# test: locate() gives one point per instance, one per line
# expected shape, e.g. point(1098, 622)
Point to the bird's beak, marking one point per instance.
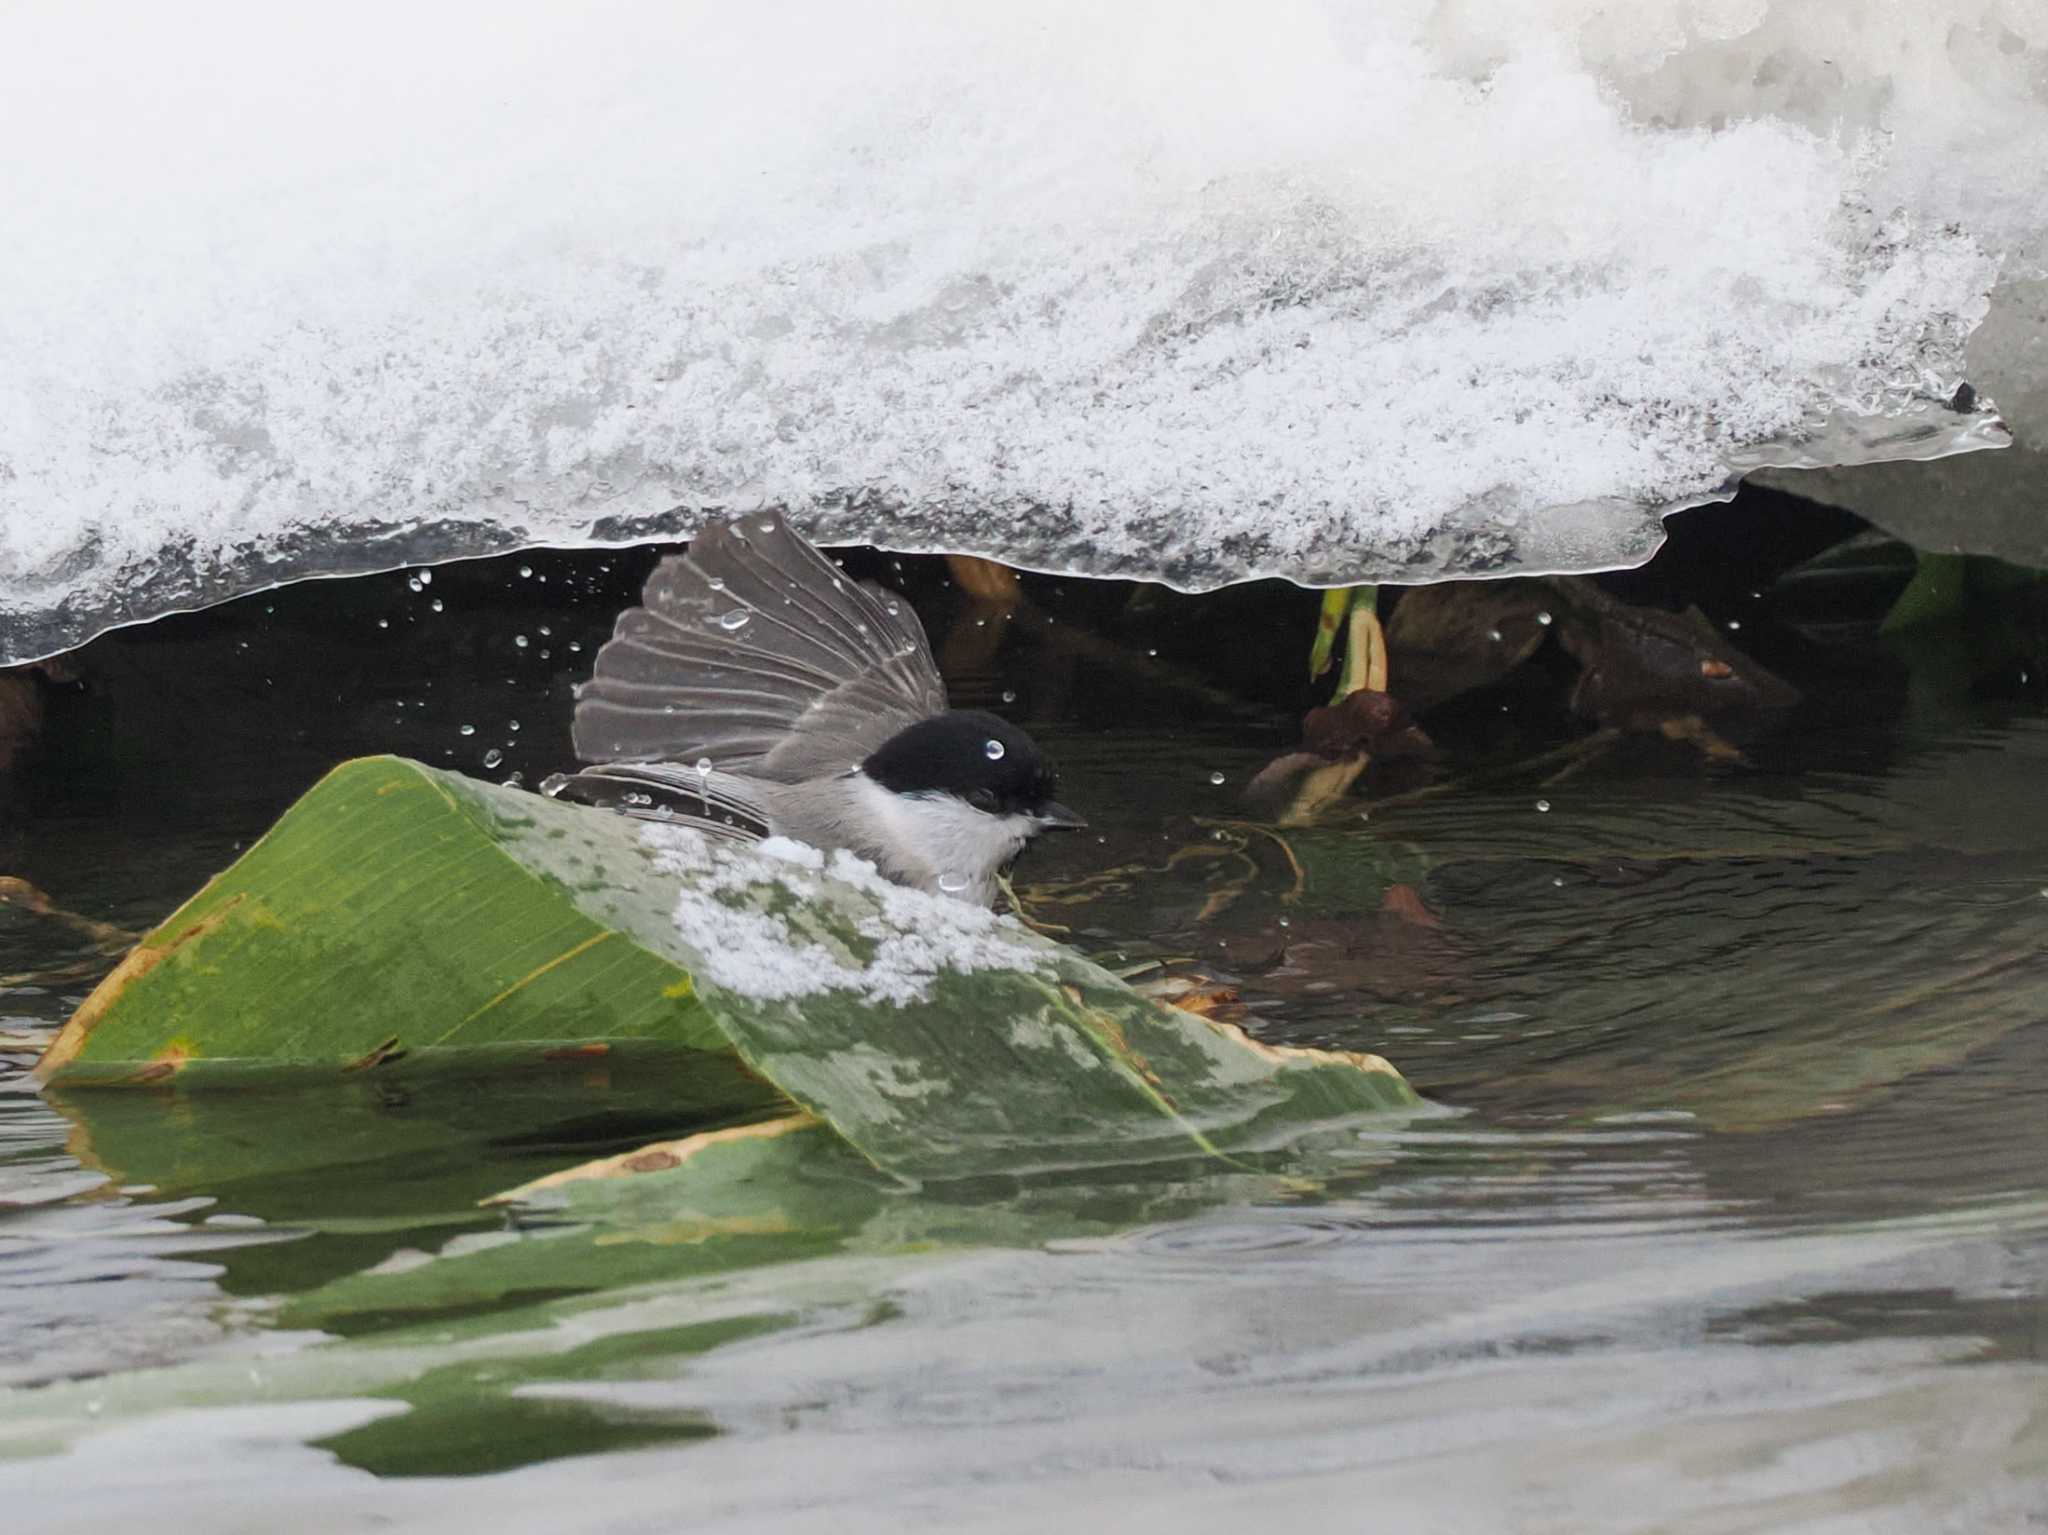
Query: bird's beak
point(1053, 813)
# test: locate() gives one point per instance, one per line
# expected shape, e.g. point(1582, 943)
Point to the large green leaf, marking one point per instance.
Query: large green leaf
point(401, 922)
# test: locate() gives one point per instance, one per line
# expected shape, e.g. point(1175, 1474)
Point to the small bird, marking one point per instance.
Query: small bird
point(758, 690)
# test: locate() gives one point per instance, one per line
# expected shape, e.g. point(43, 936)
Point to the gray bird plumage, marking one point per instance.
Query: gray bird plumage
point(756, 678)
point(756, 651)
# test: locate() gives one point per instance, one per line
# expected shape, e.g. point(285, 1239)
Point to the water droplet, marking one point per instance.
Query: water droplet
point(515, 781)
point(1558, 880)
point(952, 884)
point(1542, 805)
point(493, 757)
point(1494, 635)
point(469, 730)
point(426, 578)
point(412, 583)
point(736, 620)
point(992, 749)
point(385, 623)
point(1009, 695)
point(554, 784)
point(716, 583)
point(544, 629)
point(767, 527)
point(575, 645)
point(512, 724)
point(436, 604)
point(1154, 654)
point(1543, 619)
point(893, 611)
point(526, 572)
point(1735, 623)
point(520, 640)
point(703, 767)
point(1285, 923)
point(1216, 778)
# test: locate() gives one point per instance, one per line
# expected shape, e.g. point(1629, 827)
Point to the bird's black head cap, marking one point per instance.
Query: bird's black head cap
point(984, 760)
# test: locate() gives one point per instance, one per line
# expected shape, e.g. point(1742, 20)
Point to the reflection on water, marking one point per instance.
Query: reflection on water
point(1735, 1215)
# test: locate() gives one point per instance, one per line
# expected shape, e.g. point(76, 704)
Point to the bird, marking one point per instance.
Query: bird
point(759, 691)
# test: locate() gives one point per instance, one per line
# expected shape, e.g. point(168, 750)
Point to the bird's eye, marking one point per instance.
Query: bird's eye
point(982, 799)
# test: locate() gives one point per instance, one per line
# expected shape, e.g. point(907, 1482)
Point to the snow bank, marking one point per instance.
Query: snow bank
point(1194, 292)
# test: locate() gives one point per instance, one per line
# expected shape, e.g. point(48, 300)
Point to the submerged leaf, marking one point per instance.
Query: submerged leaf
point(402, 921)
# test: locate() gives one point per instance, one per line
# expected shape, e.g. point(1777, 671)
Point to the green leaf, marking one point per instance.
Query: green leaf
point(400, 922)
point(1329, 624)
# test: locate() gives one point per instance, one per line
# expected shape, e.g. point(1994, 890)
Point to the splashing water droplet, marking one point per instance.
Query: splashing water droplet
point(469, 730)
point(520, 640)
point(412, 584)
point(952, 884)
point(992, 749)
point(1543, 619)
point(1216, 778)
point(554, 784)
point(493, 757)
point(426, 578)
point(526, 572)
point(575, 645)
point(512, 724)
point(385, 623)
point(1542, 805)
point(735, 620)
point(436, 604)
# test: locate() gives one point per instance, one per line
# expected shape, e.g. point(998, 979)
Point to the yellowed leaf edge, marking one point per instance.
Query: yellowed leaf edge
point(659, 1157)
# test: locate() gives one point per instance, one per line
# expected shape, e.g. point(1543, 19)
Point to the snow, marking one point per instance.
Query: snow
point(752, 913)
point(1197, 293)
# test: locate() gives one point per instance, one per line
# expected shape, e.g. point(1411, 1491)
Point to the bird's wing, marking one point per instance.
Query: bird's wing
point(756, 651)
point(714, 803)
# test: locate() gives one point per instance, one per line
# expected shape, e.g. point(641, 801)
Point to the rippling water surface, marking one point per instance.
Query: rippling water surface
point(1730, 1211)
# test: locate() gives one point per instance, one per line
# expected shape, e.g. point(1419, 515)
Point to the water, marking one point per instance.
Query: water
point(1732, 1213)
